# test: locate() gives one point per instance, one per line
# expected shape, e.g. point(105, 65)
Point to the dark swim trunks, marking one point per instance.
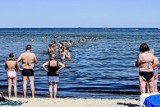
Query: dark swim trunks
point(27, 72)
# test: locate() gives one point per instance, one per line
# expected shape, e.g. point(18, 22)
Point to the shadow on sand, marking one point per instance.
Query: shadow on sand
point(129, 104)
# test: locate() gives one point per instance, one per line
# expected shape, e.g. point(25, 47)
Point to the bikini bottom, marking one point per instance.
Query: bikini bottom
point(146, 75)
point(11, 74)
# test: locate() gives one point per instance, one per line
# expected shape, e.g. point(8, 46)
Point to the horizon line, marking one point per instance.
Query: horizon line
point(79, 27)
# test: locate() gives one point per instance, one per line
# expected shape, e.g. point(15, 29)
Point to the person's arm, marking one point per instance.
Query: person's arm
point(16, 66)
point(49, 50)
point(35, 59)
point(61, 66)
point(5, 66)
point(155, 61)
point(44, 66)
point(19, 59)
point(138, 61)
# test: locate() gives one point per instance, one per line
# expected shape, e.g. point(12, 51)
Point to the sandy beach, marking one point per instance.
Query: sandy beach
point(76, 102)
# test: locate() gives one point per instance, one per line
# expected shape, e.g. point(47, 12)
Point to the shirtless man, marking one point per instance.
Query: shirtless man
point(28, 60)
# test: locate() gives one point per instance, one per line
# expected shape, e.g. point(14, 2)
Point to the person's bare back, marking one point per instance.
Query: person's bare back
point(28, 60)
point(11, 65)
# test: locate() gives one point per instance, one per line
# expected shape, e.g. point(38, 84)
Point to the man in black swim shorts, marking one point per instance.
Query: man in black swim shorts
point(28, 60)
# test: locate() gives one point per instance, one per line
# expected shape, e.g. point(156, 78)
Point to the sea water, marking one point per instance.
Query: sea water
point(104, 68)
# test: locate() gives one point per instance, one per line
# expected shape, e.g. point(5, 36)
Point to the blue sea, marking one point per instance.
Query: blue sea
point(104, 68)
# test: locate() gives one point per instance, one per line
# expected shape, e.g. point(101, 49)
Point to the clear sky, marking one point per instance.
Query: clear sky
point(79, 13)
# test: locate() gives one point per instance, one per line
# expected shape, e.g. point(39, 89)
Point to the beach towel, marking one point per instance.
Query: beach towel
point(4, 101)
point(150, 100)
point(11, 102)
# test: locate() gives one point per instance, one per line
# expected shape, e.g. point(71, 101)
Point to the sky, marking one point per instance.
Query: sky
point(80, 13)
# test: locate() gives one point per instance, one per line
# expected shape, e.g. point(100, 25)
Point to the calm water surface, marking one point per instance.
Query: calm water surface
point(104, 68)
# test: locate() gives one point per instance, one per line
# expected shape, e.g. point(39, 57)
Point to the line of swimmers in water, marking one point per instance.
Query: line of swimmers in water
point(61, 49)
point(80, 39)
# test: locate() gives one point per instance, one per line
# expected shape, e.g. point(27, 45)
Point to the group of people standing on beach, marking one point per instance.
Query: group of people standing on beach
point(28, 59)
point(148, 69)
point(12, 66)
point(59, 55)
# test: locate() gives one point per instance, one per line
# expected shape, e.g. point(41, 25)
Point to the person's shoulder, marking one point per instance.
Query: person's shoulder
point(140, 54)
point(46, 62)
point(32, 53)
point(7, 61)
point(145, 53)
point(23, 53)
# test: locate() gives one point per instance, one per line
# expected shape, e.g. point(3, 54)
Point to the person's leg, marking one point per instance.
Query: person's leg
point(24, 86)
point(142, 85)
point(15, 86)
point(50, 89)
point(31, 79)
point(55, 89)
point(151, 85)
point(9, 87)
point(147, 88)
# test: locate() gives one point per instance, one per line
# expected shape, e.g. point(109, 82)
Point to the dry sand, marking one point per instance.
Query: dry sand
point(77, 102)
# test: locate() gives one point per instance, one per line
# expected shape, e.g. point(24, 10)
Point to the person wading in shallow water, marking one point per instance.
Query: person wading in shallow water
point(28, 60)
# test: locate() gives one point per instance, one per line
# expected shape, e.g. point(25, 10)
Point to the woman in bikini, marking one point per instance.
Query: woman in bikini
point(145, 62)
point(12, 68)
point(53, 74)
